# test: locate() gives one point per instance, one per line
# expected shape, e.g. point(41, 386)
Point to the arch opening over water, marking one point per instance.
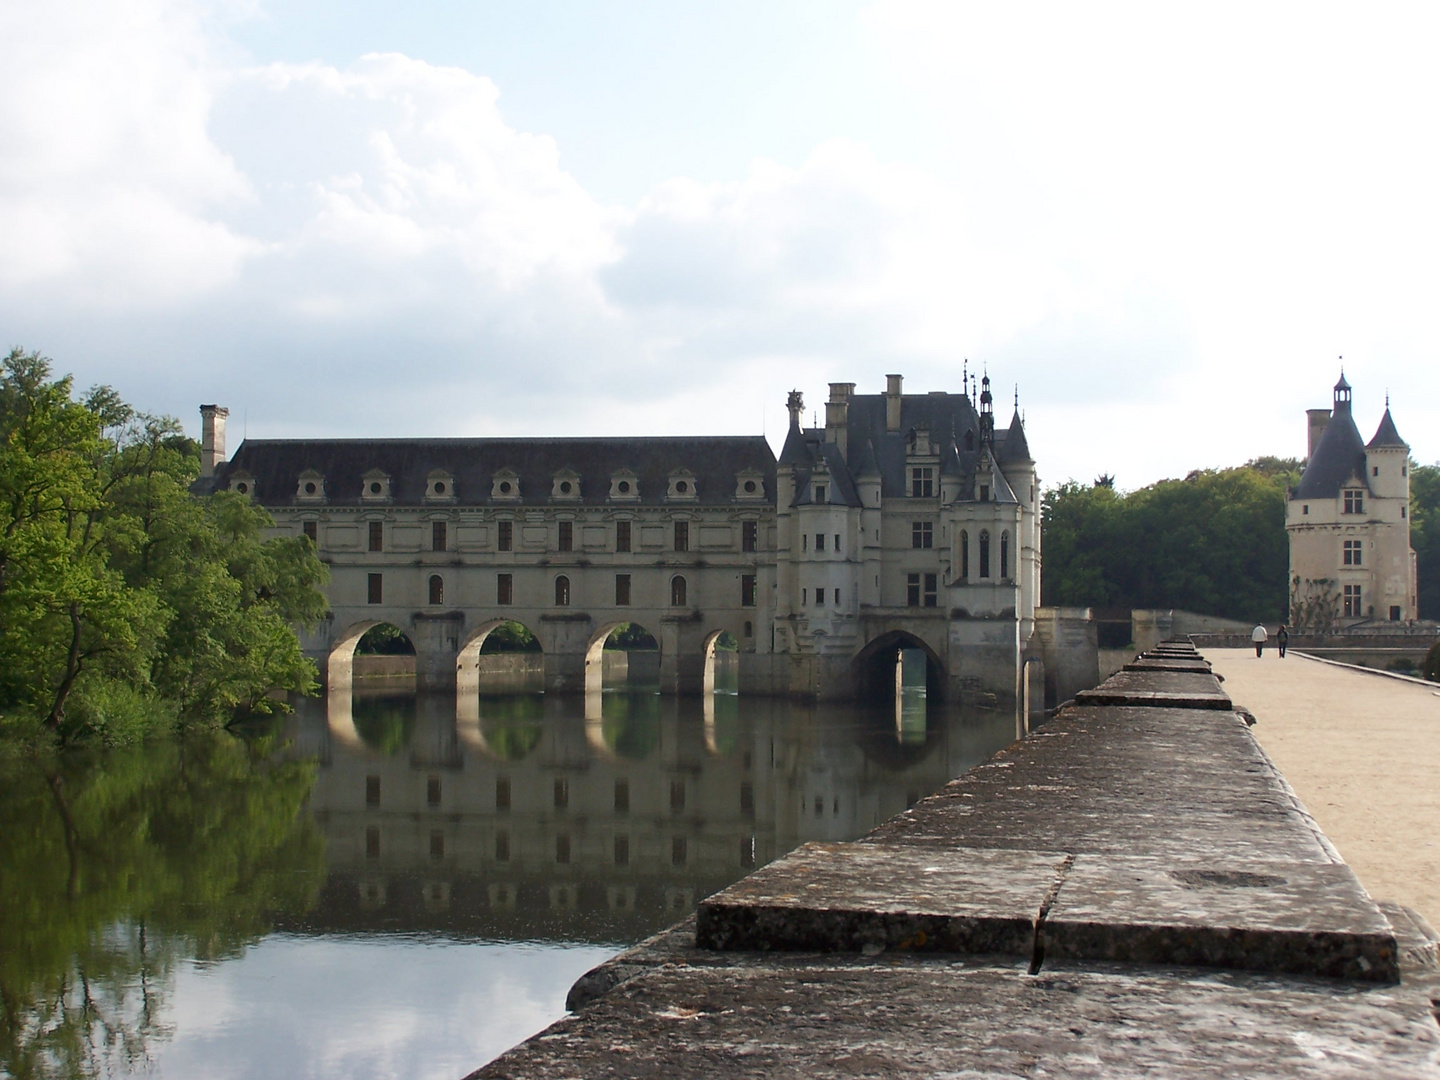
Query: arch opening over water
point(369, 649)
point(622, 656)
point(881, 669)
point(502, 656)
point(722, 663)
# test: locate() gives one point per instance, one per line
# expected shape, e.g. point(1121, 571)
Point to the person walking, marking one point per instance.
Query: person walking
point(1259, 636)
point(1282, 638)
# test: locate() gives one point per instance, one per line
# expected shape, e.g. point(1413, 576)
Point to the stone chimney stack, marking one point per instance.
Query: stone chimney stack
point(1316, 420)
point(892, 402)
point(796, 404)
point(212, 438)
point(837, 415)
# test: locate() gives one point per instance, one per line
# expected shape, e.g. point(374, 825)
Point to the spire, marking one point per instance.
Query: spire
point(987, 411)
point(793, 452)
point(1016, 448)
point(1386, 437)
point(1342, 392)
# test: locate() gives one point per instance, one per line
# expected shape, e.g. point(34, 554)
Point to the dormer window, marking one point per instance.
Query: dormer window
point(565, 486)
point(1354, 502)
point(242, 483)
point(682, 486)
point(750, 485)
point(311, 487)
point(375, 486)
point(624, 486)
point(922, 482)
point(505, 486)
point(439, 486)
point(820, 491)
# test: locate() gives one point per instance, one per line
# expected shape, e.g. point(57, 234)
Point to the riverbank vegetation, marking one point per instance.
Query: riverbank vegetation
point(129, 606)
point(1213, 543)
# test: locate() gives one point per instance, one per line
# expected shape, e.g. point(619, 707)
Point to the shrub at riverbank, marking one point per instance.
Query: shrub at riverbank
point(127, 605)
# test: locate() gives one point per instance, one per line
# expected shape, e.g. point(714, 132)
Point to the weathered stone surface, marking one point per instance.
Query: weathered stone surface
point(1308, 918)
point(894, 1016)
point(852, 897)
point(1176, 690)
point(1168, 663)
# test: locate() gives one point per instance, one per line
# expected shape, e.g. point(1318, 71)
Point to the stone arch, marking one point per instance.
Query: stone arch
point(711, 640)
point(874, 665)
point(467, 660)
point(595, 652)
point(340, 665)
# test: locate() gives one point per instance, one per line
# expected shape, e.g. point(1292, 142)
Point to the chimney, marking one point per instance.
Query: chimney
point(837, 415)
point(212, 437)
point(892, 402)
point(1316, 420)
point(796, 404)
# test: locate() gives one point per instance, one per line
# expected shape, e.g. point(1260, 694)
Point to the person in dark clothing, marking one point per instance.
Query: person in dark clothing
point(1282, 638)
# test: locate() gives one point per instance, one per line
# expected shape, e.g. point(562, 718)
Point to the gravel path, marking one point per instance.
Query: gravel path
point(1363, 753)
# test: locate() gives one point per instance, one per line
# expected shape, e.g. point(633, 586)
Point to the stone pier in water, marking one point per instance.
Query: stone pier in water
point(1132, 890)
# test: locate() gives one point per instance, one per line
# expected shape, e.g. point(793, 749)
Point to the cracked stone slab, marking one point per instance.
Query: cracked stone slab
point(854, 897)
point(1305, 918)
point(1175, 690)
point(930, 1016)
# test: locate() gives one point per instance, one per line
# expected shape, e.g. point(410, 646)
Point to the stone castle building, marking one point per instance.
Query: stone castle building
point(1348, 523)
point(907, 521)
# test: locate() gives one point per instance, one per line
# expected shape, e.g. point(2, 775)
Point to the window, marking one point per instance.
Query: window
point(1004, 555)
point(1394, 612)
point(964, 555)
point(372, 791)
point(372, 843)
point(837, 597)
point(984, 553)
point(819, 597)
point(622, 590)
point(819, 541)
point(677, 592)
point(803, 594)
point(749, 629)
point(562, 793)
point(432, 791)
point(377, 536)
point(922, 534)
point(912, 590)
point(819, 493)
point(747, 590)
point(682, 536)
point(562, 849)
point(622, 536)
point(437, 844)
point(504, 588)
point(622, 851)
point(749, 535)
point(562, 591)
point(1305, 509)
point(502, 793)
point(747, 799)
point(984, 492)
point(1376, 472)
point(837, 543)
point(311, 530)
point(1354, 502)
point(374, 593)
point(437, 589)
point(502, 846)
point(1352, 552)
point(677, 796)
point(922, 482)
point(567, 536)
point(437, 536)
point(1402, 512)
point(505, 531)
point(804, 541)
point(1352, 601)
point(931, 592)
point(622, 796)
point(677, 850)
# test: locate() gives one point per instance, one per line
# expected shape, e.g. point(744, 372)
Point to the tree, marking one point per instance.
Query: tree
point(1425, 535)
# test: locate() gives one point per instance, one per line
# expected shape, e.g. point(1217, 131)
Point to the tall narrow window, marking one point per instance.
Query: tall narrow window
point(747, 590)
point(1352, 601)
point(562, 793)
point(819, 541)
point(505, 533)
point(677, 850)
point(504, 588)
point(1354, 502)
point(374, 590)
point(984, 553)
point(931, 592)
point(502, 793)
point(1004, 555)
point(622, 536)
point(562, 591)
point(437, 589)
point(622, 796)
point(372, 791)
point(311, 530)
point(677, 592)
point(820, 493)
point(912, 590)
point(677, 796)
point(432, 791)
point(562, 849)
point(622, 851)
point(964, 555)
point(819, 597)
point(922, 482)
point(984, 492)
point(682, 536)
point(749, 535)
point(1352, 552)
point(502, 846)
point(922, 534)
point(377, 535)
point(622, 590)
point(437, 536)
point(567, 536)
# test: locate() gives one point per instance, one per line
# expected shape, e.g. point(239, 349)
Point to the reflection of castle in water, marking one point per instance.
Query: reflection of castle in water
point(604, 818)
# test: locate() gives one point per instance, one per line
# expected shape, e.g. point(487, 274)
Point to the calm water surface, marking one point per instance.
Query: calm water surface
point(384, 889)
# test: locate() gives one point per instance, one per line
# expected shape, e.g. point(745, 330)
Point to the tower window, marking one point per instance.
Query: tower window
point(1354, 502)
point(1376, 471)
point(567, 536)
point(984, 492)
point(622, 536)
point(922, 534)
point(1353, 549)
point(749, 535)
point(437, 536)
point(819, 597)
point(922, 482)
point(964, 555)
point(1004, 555)
point(819, 541)
point(984, 553)
point(819, 493)
point(377, 536)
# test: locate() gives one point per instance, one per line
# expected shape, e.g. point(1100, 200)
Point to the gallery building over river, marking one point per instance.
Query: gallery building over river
point(907, 521)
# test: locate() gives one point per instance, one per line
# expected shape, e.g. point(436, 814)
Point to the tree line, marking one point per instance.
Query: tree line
point(1213, 543)
point(128, 605)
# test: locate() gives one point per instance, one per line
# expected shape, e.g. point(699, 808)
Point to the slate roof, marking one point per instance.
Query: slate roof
point(1015, 447)
point(1339, 457)
point(276, 465)
point(1386, 435)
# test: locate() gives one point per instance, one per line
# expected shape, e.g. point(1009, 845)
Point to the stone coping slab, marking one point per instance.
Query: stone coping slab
point(853, 897)
point(916, 1015)
point(1175, 690)
point(1156, 663)
point(1306, 918)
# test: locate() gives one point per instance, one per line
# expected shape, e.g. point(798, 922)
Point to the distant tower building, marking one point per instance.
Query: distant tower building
point(1349, 523)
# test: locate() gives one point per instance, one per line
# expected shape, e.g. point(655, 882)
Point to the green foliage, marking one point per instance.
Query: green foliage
point(127, 605)
point(510, 637)
point(117, 866)
point(384, 640)
point(1213, 543)
point(1425, 535)
point(631, 637)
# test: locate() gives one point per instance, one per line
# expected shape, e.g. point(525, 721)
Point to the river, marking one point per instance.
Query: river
point(372, 888)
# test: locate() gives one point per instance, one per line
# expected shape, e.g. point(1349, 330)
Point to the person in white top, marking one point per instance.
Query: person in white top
point(1259, 636)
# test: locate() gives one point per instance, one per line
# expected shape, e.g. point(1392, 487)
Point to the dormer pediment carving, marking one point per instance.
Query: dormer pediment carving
point(310, 488)
point(624, 486)
point(750, 485)
point(682, 486)
point(375, 486)
point(439, 487)
point(565, 486)
point(505, 486)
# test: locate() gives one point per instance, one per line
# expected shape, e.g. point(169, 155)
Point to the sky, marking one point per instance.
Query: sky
point(1162, 226)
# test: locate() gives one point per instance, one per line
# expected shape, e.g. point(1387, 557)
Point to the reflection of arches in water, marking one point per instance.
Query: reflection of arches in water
point(497, 637)
point(385, 723)
point(720, 672)
point(875, 666)
point(622, 725)
point(722, 723)
point(890, 746)
point(641, 652)
point(378, 636)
